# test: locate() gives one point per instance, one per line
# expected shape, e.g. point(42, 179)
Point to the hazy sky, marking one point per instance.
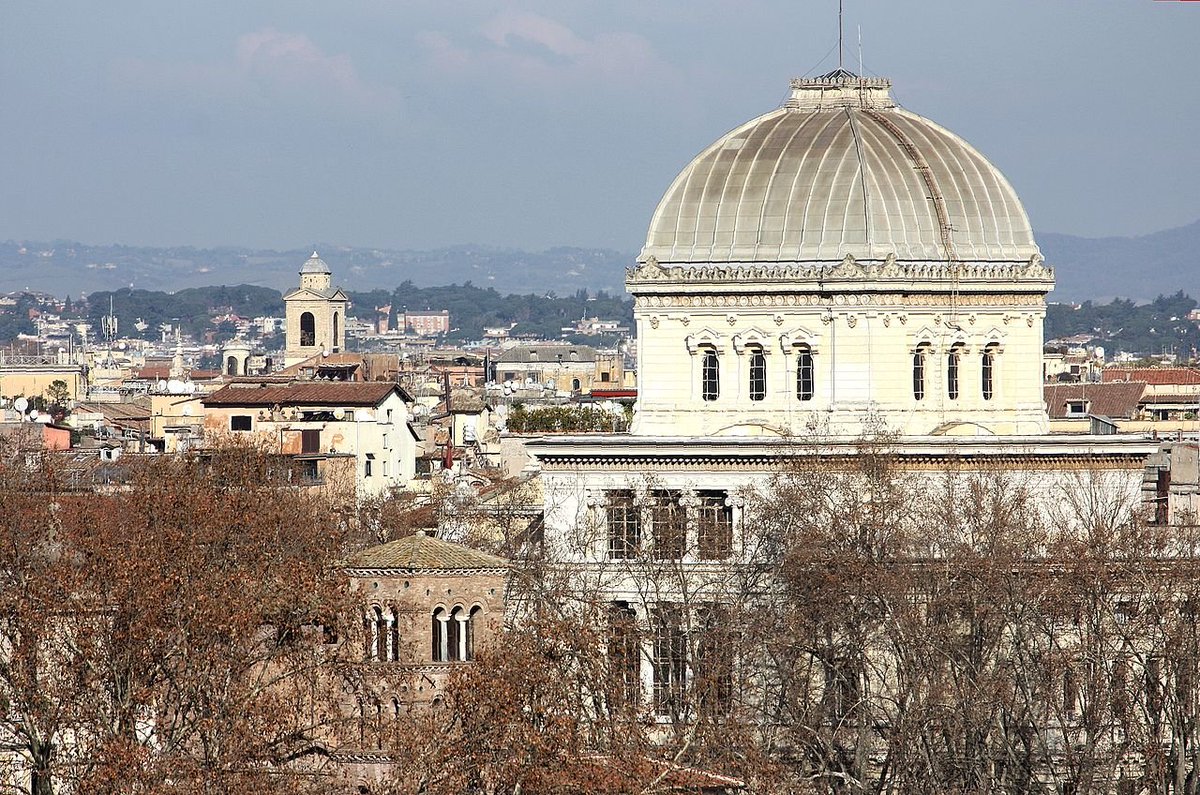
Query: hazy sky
point(532, 124)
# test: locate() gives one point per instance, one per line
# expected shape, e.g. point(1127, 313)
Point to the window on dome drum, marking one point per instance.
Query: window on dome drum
point(714, 526)
point(335, 332)
point(670, 662)
point(668, 526)
point(308, 330)
point(804, 374)
point(710, 372)
point(624, 653)
point(952, 366)
point(758, 374)
point(624, 525)
point(988, 372)
point(919, 372)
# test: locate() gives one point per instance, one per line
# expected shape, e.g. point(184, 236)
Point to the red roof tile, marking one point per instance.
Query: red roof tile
point(1116, 400)
point(1157, 376)
point(307, 393)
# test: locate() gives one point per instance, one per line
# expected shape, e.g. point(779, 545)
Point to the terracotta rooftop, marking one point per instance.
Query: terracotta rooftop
point(1115, 400)
point(421, 551)
point(306, 393)
point(1155, 376)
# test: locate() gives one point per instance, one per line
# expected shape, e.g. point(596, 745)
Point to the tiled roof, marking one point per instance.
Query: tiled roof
point(547, 353)
point(306, 393)
point(1156, 376)
point(423, 551)
point(1116, 400)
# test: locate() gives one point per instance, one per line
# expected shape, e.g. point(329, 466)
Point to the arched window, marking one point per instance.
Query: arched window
point(805, 382)
point(368, 637)
point(472, 627)
point(574, 384)
point(395, 634)
point(919, 373)
point(988, 372)
point(381, 635)
point(441, 646)
point(758, 374)
point(308, 330)
point(231, 366)
point(334, 342)
point(395, 708)
point(460, 631)
point(952, 364)
point(710, 376)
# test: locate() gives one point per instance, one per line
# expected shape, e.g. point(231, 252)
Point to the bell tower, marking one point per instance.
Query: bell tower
point(316, 314)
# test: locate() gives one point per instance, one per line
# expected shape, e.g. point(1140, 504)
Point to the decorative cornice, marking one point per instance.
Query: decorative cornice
point(887, 270)
point(773, 301)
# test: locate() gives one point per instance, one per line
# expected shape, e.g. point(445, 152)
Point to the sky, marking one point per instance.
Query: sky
point(422, 124)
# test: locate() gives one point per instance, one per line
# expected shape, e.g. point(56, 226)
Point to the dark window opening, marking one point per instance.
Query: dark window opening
point(335, 332)
point(714, 526)
point(710, 371)
point(624, 654)
point(670, 663)
point(805, 382)
point(624, 525)
point(714, 668)
point(952, 361)
point(241, 422)
point(919, 374)
point(310, 440)
point(668, 525)
point(308, 330)
point(758, 375)
point(988, 371)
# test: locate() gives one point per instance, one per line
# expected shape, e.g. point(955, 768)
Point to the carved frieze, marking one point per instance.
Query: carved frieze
point(907, 300)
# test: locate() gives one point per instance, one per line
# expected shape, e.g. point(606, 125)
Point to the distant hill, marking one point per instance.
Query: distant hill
point(1087, 268)
point(1139, 268)
point(65, 267)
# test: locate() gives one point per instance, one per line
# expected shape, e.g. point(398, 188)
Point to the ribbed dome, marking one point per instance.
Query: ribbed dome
point(840, 169)
point(315, 264)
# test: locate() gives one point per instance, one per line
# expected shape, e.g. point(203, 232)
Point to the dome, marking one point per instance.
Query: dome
point(315, 264)
point(839, 170)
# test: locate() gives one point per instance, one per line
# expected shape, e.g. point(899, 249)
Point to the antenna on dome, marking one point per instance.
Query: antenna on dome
point(840, 34)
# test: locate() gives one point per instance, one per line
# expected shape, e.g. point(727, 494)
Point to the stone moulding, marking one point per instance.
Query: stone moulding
point(771, 301)
point(889, 269)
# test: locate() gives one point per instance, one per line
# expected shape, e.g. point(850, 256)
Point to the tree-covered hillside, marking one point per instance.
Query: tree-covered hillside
point(1121, 325)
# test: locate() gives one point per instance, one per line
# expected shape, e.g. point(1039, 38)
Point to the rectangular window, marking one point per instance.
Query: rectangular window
point(310, 440)
point(710, 370)
point(670, 662)
point(714, 526)
point(367, 468)
point(758, 375)
point(919, 374)
point(624, 654)
point(952, 374)
point(805, 382)
point(604, 376)
point(241, 422)
point(309, 473)
point(668, 526)
point(624, 525)
point(988, 374)
point(714, 667)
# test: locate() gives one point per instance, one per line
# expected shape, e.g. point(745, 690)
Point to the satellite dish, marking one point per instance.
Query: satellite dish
point(339, 414)
point(121, 346)
point(174, 386)
point(21, 404)
point(189, 387)
point(161, 386)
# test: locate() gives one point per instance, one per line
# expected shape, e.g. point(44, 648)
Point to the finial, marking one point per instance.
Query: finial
point(840, 34)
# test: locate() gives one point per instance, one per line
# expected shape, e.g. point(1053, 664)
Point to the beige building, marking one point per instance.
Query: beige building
point(570, 368)
point(360, 430)
point(316, 314)
point(834, 268)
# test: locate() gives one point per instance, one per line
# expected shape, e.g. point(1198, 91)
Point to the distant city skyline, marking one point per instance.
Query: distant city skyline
point(536, 124)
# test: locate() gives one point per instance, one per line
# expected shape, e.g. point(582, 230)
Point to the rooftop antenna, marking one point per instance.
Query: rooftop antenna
point(840, 34)
point(862, 70)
